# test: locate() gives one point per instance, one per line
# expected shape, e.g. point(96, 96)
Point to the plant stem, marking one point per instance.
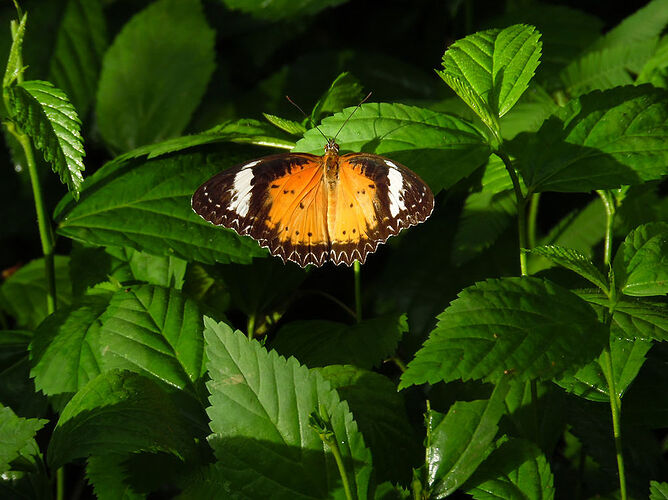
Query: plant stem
point(333, 445)
point(60, 484)
point(609, 204)
point(521, 211)
point(534, 200)
point(250, 327)
point(358, 290)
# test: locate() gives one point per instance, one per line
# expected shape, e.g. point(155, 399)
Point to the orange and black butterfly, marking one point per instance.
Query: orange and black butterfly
point(313, 209)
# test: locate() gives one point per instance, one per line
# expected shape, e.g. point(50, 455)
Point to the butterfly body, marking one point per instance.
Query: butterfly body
point(312, 209)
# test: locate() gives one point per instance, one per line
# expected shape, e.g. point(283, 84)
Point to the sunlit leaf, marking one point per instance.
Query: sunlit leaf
point(641, 262)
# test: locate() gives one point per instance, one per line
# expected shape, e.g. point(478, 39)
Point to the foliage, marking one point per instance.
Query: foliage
point(512, 346)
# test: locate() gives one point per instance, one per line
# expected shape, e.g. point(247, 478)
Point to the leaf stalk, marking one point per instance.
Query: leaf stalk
point(357, 270)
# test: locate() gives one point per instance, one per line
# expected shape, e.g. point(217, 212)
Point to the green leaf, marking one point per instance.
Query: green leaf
point(77, 55)
point(634, 318)
point(146, 205)
point(23, 294)
point(645, 23)
point(575, 261)
point(66, 352)
point(320, 343)
point(628, 356)
point(655, 70)
point(458, 442)
point(421, 139)
point(17, 437)
point(119, 412)
point(380, 413)
point(15, 66)
point(601, 140)
point(289, 126)
point(280, 9)
point(606, 68)
point(658, 491)
point(493, 66)
point(527, 326)
point(260, 408)
point(163, 270)
point(156, 330)
point(641, 262)
point(517, 469)
point(46, 115)
point(105, 473)
point(346, 90)
point(486, 213)
point(154, 74)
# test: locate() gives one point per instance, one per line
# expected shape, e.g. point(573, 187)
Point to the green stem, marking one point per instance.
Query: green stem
point(609, 204)
point(334, 446)
point(358, 290)
point(250, 328)
point(521, 211)
point(60, 484)
point(534, 201)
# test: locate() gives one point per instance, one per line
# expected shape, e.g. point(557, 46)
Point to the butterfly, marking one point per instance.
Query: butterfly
point(312, 209)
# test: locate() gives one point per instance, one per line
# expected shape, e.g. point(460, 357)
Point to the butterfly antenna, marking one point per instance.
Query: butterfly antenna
point(305, 115)
point(353, 112)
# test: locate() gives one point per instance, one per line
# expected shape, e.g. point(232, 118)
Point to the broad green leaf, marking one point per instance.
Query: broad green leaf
point(486, 213)
point(643, 24)
point(320, 343)
point(442, 149)
point(527, 326)
point(529, 113)
point(517, 469)
point(77, 54)
point(641, 262)
point(607, 68)
point(15, 62)
point(280, 9)
point(458, 442)
point(495, 66)
point(17, 437)
point(380, 414)
point(154, 74)
point(634, 318)
point(119, 412)
point(155, 330)
point(628, 356)
point(575, 261)
point(655, 70)
point(46, 115)
point(163, 270)
point(598, 141)
point(346, 90)
point(105, 473)
point(244, 131)
point(658, 491)
point(66, 352)
point(23, 294)
point(289, 126)
point(260, 432)
point(146, 205)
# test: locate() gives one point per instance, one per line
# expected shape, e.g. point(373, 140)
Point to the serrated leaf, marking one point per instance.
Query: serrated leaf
point(495, 66)
point(17, 437)
point(157, 331)
point(119, 412)
point(641, 262)
point(77, 54)
point(458, 442)
point(517, 469)
point(65, 352)
point(655, 70)
point(260, 408)
point(23, 294)
point(320, 343)
point(280, 9)
point(106, 475)
point(154, 74)
point(646, 22)
point(606, 68)
point(575, 261)
point(146, 205)
point(423, 140)
point(380, 414)
point(527, 326)
point(658, 491)
point(345, 90)
point(634, 318)
point(601, 140)
point(46, 115)
point(289, 126)
point(589, 382)
point(15, 62)
point(163, 270)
